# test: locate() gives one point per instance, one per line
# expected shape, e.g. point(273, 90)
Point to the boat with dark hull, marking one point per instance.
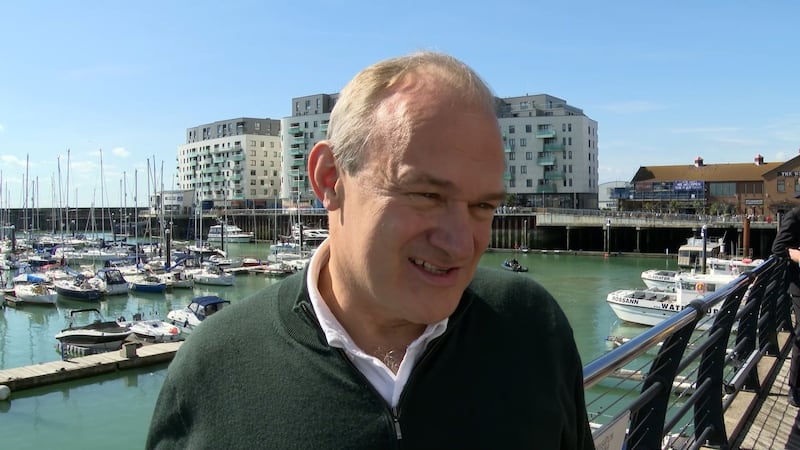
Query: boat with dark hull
point(96, 335)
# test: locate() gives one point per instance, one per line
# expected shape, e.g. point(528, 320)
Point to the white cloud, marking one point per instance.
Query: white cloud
point(120, 151)
point(12, 160)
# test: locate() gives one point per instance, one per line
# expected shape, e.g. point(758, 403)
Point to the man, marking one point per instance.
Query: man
point(786, 245)
point(391, 338)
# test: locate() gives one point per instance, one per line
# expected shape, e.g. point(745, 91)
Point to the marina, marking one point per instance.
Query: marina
point(580, 283)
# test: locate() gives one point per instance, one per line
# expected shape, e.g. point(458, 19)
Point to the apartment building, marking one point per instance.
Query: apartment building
point(551, 150)
point(234, 163)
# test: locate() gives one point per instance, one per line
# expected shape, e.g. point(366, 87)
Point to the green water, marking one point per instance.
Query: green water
point(113, 411)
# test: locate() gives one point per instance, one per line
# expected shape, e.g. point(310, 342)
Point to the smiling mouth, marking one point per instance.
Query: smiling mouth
point(428, 267)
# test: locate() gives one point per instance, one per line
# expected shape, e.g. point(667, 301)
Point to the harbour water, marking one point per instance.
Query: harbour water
point(114, 410)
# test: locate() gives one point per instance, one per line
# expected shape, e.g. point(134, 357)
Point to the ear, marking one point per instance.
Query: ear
point(324, 175)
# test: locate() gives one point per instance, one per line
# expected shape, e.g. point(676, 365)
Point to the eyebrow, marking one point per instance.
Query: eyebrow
point(426, 178)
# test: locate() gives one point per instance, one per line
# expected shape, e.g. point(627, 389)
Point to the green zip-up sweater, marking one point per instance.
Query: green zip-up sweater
point(260, 374)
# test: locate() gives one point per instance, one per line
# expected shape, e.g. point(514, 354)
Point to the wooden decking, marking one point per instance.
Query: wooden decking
point(773, 423)
point(57, 371)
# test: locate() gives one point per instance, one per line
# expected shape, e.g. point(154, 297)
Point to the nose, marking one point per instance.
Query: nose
point(454, 231)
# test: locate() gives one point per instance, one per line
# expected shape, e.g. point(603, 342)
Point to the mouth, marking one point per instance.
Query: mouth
point(430, 268)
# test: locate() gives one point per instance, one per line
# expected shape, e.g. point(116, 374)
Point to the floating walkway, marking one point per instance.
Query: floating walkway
point(129, 357)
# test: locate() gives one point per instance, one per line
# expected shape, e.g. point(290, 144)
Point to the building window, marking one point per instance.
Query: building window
point(563, 127)
point(523, 105)
point(723, 189)
point(569, 127)
point(523, 169)
point(523, 142)
point(512, 143)
point(529, 182)
point(569, 141)
point(511, 129)
point(781, 185)
point(528, 128)
point(511, 183)
point(529, 156)
point(512, 156)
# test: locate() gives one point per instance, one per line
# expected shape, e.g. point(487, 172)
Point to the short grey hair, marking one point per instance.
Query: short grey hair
point(353, 120)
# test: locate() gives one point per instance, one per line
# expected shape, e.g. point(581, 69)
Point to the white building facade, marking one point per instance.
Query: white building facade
point(232, 164)
point(551, 153)
point(551, 150)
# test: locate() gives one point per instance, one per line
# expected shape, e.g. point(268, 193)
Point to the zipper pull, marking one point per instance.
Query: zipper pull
point(396, 421)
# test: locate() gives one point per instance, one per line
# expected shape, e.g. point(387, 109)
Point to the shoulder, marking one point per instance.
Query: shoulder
point(516, 296)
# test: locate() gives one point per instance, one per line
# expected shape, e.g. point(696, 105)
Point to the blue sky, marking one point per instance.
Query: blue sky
point(666, 81)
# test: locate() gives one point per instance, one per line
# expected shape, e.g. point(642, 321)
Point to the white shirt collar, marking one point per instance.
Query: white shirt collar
point(388, 384)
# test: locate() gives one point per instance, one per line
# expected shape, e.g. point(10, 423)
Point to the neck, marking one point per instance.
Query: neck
point(379, 336)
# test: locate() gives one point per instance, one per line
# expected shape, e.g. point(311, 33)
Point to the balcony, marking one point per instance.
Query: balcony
point(554, 175)
point(508, 176)
point(237, 157)
point(299, 141)
point(554, 147)
point(297, 172)
point(544, 134)
point(508, 149)
point(297, 152)
point(546, 160)
point(546, 189)
point(295, 129)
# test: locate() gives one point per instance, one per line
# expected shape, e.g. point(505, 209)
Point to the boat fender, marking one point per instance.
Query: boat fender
point(700, 287)
point(5, 392)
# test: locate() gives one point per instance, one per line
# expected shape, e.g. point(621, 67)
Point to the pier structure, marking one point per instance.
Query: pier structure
point(548, 229)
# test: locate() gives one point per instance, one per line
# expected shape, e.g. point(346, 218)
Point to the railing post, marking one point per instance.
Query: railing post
point(647, 423)
point(709, 417)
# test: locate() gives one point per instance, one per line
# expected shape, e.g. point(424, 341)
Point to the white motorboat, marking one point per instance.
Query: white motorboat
point(213, 275)
point(152, 330)
point(190, 317)
point(110, 281)
point(229, 233)
point(97, 334)
point(660, 278)
point(35, 293)
point(178, 279)
point(651, 306)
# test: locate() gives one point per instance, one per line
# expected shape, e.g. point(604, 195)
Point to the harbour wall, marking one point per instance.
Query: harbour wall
point(609, 232)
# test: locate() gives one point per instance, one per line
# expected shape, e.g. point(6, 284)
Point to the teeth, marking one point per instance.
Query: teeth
point(429, 268)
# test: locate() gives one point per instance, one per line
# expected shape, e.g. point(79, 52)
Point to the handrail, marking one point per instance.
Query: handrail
point(681, 393)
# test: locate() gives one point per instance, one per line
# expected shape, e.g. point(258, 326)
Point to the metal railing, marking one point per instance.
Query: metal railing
point(670, 386)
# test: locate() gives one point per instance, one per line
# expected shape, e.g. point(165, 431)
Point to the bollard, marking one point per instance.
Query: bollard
point(128, 350)
point(5, 392)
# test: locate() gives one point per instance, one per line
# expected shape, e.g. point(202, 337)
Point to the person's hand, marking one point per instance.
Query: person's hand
point(794, 255)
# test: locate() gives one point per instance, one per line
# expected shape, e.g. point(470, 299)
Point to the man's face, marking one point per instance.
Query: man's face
point(416, 220)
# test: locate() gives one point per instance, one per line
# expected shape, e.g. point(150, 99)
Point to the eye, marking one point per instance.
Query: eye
point(426, 195)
